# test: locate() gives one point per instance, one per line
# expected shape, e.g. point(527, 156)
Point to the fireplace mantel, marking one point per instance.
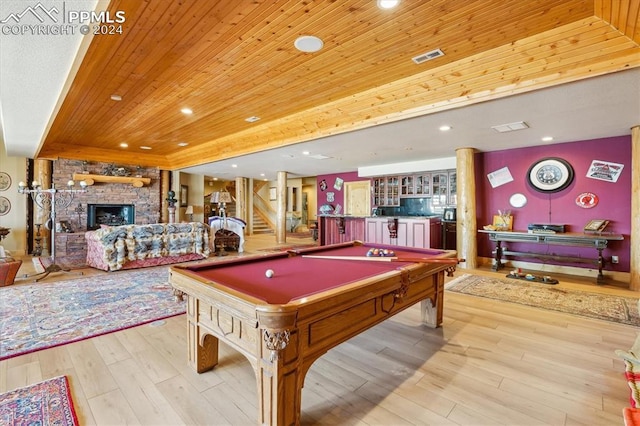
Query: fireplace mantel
point(138, 182)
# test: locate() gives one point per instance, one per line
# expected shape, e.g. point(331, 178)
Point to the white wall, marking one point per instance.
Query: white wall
point(16, 218)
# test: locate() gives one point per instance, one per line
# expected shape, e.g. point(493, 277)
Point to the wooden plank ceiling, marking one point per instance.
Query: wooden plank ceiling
point(229, 60)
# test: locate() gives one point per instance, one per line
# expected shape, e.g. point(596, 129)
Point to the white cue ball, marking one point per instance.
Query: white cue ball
point(269, 273)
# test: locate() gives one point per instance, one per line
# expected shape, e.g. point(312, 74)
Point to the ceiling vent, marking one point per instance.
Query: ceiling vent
point(510, 127)
point(427, 56)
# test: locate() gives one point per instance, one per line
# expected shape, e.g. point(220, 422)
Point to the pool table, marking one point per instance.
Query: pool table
point(311, 304)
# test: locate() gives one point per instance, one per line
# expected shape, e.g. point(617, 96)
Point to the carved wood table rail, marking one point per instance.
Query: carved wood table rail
point(597, 241)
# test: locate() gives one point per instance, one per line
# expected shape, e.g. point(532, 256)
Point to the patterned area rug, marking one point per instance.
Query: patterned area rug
point(592, 305)
point(45, 403)
point(40, 316)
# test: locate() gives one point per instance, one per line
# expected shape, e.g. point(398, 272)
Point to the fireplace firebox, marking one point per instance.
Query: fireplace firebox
point(109, 214)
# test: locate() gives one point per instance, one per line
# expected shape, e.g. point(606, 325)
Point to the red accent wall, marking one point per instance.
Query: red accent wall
point(338, 194)
point(614, 198)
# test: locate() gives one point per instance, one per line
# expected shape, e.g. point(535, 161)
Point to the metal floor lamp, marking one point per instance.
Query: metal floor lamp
point(51, 199)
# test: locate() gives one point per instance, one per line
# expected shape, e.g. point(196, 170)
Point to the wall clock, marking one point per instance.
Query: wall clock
point(550, 174)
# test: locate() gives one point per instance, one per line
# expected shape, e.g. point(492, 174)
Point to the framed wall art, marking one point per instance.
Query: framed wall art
point(605, 170)
point(184, 195)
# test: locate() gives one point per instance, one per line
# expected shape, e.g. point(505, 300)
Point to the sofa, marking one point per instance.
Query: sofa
point(113, 248)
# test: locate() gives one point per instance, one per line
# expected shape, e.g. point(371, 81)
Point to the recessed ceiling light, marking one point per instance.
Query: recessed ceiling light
point(124, 145)
point(116, 97)
point(234, 165)
point(388, 4)
point(252, 119)
point(320, 156)
point(183, 143)
point(261, 174)
point(145, 147)
point(308, 44)
point(186, 111)
point(547, 138)
point(445, 128)
point(305, 153)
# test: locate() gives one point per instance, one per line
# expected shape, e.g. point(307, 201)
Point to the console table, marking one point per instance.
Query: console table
point(597, 241)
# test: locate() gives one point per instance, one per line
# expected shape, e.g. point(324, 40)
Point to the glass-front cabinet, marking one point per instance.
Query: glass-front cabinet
point(453, 189)
point(407, 187)
point(386, 191)
point(415, 185)
point(423, 184)
point(440, 187)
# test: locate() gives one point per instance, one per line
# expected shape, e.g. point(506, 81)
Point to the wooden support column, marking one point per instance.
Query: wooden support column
point(165, 186)
point(467, 229)
point(241, 198)
point(634, 261)
point(42, 171)
point(281, 211)
point(250, 194)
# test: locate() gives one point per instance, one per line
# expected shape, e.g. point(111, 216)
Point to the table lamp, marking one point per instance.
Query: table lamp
point(189, 211)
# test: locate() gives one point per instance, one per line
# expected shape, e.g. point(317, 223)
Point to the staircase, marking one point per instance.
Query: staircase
point(260, 226)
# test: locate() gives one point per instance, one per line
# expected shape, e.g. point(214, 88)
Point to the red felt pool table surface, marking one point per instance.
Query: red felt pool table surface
point(296, 276)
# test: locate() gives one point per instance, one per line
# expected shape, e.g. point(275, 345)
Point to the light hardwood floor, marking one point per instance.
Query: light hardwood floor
point(491, 363)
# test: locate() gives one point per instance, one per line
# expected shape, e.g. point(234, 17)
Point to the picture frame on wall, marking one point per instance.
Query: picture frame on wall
point(272, 194)
point(184, 195)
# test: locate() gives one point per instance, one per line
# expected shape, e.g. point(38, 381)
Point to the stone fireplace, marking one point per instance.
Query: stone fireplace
point(142, 206)
point(109, 214)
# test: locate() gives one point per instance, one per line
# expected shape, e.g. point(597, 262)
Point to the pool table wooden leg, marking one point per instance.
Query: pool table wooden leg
point(203, 355)
point(432, 313)
point(280, 383)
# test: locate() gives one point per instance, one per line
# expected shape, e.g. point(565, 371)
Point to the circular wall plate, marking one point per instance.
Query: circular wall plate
point(5, 206)
point(550, 175)
point(5, 181)
point(518, 200)
point(587, 200)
